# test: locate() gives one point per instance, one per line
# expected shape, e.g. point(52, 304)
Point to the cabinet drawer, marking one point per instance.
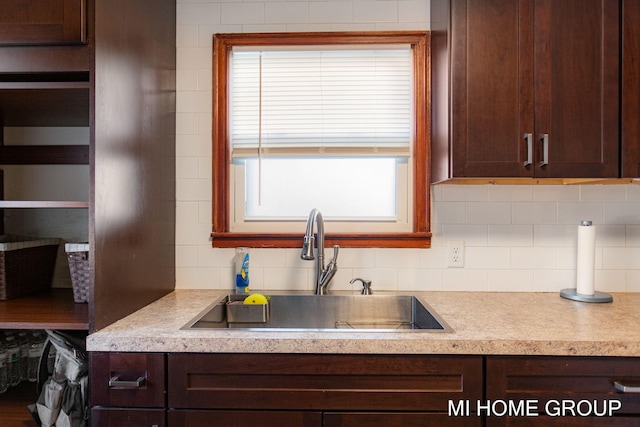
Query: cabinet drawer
point(552, 382)
point(322, 382)
point(102, 417)
point(42, 22)
point(395, 419)
point(128, 379)
point(198, 418)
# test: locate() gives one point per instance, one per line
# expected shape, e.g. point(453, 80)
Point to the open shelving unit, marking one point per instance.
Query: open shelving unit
point(44, 100)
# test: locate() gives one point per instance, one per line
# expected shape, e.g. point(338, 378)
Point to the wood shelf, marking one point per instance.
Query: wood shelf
point(27, 85)
point(48, 310)
point(44, 154)
point(43, 204)
point(44, 103)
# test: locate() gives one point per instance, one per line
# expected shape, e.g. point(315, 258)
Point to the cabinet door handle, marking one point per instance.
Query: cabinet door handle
point(545, 149)
point(528, 140)
point(115, 381)
point(626, 388)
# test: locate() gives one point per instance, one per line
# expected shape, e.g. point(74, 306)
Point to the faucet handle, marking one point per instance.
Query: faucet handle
point(366, 285)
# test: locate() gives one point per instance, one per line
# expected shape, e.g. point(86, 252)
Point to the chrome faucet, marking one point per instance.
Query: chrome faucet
point(323, 275)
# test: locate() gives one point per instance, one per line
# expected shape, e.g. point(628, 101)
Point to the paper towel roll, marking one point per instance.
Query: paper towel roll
point(585, 266)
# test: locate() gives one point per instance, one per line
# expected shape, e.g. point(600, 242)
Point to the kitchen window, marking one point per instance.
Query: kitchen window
point(335, 121)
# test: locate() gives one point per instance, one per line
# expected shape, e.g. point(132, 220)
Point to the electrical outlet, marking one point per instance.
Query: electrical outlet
point(455, 256)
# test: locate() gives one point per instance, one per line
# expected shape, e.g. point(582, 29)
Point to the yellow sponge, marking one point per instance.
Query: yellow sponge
point(258, 299)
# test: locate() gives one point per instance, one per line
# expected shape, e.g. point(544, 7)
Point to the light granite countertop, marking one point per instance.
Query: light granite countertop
point(483, 323)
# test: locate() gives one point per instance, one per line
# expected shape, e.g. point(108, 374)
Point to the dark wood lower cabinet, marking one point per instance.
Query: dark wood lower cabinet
point(198, 418)
point(566, 391)
point(203, 417)
point(114, 417)
point(397, 419)
point(397, 383)
point(132, 380)
point(331, 390)
point(567, 422)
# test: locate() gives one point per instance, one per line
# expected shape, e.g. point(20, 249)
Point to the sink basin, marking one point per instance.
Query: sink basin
point(326, 312)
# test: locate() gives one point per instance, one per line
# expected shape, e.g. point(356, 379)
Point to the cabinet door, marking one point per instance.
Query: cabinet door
point(576, 87)
point(563, 389)
point(128, 379)
point(631, 89)
point(491, 87)
point(322, 382)
point(103, 417)
point(198, 418)
point(534, 88)
point(45, 22)
point(397, 419)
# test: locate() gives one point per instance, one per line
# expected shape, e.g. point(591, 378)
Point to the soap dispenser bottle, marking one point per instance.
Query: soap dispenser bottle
point(242, 271)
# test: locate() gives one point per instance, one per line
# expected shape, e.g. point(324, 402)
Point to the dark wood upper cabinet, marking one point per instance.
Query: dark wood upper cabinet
point(42, 22)
point(526, 88)
point(631, 88)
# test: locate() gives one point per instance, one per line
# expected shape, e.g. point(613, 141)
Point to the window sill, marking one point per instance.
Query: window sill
point(254, 240)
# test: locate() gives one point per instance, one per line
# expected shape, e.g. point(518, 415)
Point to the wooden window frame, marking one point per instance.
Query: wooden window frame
point(420, 237)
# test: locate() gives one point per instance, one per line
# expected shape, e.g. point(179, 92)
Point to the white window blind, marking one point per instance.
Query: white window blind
point(321, 101)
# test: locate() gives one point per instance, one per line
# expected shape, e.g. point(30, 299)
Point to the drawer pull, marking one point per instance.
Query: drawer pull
point(527, 138)
point(626, 388)
point(544, 138)
point(117, 382)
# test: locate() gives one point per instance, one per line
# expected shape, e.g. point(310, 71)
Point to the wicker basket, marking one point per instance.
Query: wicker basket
point(26, 265)
point(78, 257)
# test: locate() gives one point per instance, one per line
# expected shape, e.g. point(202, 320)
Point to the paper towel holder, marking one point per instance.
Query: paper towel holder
point(597, 296)
point(571, 293)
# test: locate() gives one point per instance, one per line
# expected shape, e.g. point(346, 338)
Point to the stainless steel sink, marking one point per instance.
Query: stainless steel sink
point(328, 312)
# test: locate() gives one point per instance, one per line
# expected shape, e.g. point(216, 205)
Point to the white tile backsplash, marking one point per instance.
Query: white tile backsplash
point(575, 212)
point(472, 235)
point(479, 258)
point(413, 11)
point(488, 213)
point(510, 193)
point(633, 281)
point(533, 258)
point(510, 280)
point(517, 237)
point(633, 192)
point(197, 13)
point(632, 236)
point(553, 193)
point(534, 213)
point(553, 280)
point(510, 235)
point(331, 12)
point(375, 11)
point(242, 13)
point(601, 193)
point(419, 279)
point(449, 213)
point(554, 235)
point(465, 193)
point(460, 279)
point(286, 12)
point(622, 213)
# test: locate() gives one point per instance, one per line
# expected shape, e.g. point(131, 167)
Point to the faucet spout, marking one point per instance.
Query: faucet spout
point(323, 275)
